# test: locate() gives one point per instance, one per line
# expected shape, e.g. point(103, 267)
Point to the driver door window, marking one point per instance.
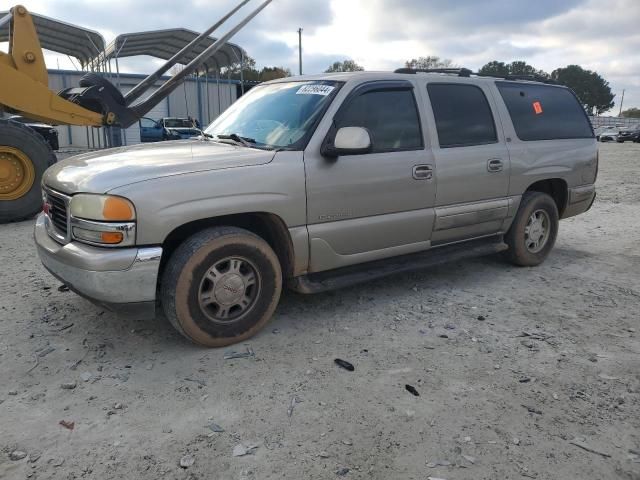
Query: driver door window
point(391, 116)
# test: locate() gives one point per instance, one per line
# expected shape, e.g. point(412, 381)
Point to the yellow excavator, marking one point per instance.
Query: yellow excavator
point(24, 90)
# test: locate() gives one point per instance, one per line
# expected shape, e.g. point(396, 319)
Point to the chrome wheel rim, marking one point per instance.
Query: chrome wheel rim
point(537, 231)
point(229, 290)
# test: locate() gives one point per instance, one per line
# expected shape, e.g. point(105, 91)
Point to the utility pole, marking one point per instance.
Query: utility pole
point(621, 102)
point(300, 49)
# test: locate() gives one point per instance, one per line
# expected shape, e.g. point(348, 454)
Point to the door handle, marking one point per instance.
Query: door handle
point(423, 172)
point(494, 165)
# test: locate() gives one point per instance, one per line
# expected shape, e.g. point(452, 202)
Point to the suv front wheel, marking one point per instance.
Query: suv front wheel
point(221, 286)
point(534, 230)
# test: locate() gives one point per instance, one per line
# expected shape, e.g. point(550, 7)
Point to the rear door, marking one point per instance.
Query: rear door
point(472, 162)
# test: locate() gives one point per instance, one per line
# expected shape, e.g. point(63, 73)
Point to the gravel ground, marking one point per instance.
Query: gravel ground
point(521, 373)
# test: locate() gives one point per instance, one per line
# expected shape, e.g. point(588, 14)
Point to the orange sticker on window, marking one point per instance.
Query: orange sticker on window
point(537, 107)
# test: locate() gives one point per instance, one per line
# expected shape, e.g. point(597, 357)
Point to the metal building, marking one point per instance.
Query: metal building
point(197, 98)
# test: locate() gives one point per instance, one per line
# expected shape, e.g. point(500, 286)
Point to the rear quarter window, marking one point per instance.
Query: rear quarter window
point(544, 112)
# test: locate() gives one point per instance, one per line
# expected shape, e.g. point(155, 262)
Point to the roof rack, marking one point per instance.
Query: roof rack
point(461, 72)
point(465, 72)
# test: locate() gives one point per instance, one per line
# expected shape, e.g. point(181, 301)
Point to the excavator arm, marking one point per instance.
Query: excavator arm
point(24, 80)
point(24, 156)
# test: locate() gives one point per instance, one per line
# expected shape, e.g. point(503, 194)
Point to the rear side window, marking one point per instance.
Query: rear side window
point(462, 113)
point(544, 112)
point(391, 116)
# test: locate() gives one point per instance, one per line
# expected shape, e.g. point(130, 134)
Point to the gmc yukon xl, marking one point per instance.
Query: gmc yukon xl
point(318, 182)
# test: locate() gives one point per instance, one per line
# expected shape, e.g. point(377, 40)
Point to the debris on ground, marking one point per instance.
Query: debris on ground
point(68, 385)
point(34, 457)
point(583, 445)
point(469, 459)
point(240, 450)
point(323, 454)
point(187, 461)
point(292, 405)
point(67, 424)
point(43, 352)
point(17, 455)
point(341, 472)
point(438, 463)
point(202, 383)
point(412, 390)
point(532, 409)
point(63, 288)
point(232, 354)
point(215, 428)
point(344, 364)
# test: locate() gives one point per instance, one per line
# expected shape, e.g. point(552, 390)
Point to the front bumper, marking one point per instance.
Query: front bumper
point(122, 279)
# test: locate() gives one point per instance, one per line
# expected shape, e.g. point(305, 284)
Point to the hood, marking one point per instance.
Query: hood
point(99, 172)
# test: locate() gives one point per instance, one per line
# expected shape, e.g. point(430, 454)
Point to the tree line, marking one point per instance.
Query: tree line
point(591, 88)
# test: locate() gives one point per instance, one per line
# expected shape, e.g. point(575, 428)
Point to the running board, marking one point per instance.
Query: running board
point(353, 275)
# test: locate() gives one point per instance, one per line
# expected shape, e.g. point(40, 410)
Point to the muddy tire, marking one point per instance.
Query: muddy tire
point(24, 156)
point(221, 286)
point(534, 230)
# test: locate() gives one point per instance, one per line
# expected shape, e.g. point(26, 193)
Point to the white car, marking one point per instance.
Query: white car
point(607, 134)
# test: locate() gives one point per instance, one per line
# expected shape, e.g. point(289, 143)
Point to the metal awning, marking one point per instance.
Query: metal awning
point(61, 37)
point(164, 44)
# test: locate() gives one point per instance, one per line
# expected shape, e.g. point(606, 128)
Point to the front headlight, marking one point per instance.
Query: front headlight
point(105, 220)
point(108, 208)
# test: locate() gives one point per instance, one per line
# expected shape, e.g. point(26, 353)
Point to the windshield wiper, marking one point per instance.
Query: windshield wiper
point(244, 141)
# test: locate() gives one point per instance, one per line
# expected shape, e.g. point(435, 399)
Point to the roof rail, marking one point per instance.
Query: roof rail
point(531, 77)
point(461, 72)
point(465, 72)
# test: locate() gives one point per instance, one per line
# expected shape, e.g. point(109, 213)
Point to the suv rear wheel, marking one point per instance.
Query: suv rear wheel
point(221, 286)
point(534, 230)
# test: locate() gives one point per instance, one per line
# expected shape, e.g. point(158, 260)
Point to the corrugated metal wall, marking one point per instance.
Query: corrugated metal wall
point(203, 99)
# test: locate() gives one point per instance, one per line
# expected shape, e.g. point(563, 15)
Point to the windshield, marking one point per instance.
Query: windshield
point(178, 123)
point(279, 115)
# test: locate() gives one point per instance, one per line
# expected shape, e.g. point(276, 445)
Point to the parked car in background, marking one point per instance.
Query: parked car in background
point(607, 134)
point(48, 132)
point(181, 128)
point(168, 129)
point(629, 135)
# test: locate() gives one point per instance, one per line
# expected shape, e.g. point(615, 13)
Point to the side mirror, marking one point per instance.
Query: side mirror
point(348, 141)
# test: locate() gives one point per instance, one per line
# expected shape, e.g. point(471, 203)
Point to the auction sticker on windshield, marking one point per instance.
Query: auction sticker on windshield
point(323, 90)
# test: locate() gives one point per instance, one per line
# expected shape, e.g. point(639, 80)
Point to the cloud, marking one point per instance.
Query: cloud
point(382, 34)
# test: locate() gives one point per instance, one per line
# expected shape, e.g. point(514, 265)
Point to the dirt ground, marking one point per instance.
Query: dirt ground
point(538, 375)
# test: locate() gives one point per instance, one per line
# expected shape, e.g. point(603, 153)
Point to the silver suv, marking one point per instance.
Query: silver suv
point(318, 182)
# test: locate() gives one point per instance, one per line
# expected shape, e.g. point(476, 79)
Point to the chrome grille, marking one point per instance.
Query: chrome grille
point(58, 214)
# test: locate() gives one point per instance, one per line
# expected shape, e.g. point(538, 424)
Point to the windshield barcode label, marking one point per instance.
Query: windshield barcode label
point(323, 90)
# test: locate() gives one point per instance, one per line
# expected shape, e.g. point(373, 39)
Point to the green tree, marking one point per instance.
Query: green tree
point(631, 113)
point(251, 73)
point(496, 68)
point(592, 90)
point(345, 66)
point(271, 73)
point(424, 63)
point(517, 67)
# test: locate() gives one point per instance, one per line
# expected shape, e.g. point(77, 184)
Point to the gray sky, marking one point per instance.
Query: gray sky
point(382, 34)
